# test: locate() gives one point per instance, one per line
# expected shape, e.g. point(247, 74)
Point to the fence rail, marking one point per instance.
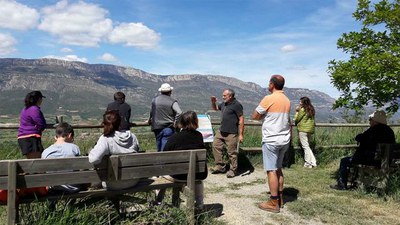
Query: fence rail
point(215, 123)
point(247, 124)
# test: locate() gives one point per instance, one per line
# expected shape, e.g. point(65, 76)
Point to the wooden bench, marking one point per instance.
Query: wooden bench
point(27, 173)
point(371, 176)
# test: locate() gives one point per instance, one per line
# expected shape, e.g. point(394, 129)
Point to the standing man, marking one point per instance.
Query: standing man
point(274, 109)
point(164, 115)
point(230, 132)
point(123, 109)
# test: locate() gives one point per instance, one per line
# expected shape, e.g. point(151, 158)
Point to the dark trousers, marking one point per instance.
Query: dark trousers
point(345, 164)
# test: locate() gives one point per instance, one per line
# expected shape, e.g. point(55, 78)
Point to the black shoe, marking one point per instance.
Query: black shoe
point(338, 187)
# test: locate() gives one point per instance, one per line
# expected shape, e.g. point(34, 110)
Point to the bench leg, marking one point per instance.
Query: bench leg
point(176, 200)
point(116, 203)
point(12, 206)
point(190, 205)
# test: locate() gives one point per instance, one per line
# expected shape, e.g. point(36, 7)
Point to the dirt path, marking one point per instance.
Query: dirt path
point(239, 197)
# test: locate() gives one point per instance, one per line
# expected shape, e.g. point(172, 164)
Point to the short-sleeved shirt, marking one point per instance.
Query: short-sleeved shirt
point(230, 112)
point(65, 150)
point(276, 125)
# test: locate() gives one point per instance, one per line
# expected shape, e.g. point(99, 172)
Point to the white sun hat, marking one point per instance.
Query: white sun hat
point(378, 116)
point(165, 87)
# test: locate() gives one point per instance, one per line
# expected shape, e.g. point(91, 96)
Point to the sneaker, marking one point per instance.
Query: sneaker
point(271, 205)
point(218, 169)
point(338, 187)
point(230, 174)
point(309, 166)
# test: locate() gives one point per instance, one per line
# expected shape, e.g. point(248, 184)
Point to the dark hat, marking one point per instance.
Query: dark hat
point(37, 94)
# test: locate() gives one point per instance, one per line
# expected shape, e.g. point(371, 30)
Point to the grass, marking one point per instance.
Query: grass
point(314, 199)
point(317, 201)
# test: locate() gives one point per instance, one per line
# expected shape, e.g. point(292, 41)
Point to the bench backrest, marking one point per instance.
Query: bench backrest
point(389, 154)
point(49, 172)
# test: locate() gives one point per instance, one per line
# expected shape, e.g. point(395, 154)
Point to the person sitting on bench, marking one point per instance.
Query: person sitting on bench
point(114, 142)
point(189, 138)
point(63, 148)
point(378, 132)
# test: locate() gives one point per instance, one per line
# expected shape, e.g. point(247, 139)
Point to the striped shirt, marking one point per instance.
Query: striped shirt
point(276, 124)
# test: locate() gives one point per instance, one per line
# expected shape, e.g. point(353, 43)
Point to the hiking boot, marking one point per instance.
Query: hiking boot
point(338, 187)
point(230, 174)
point(271, 205)
point(218, 169)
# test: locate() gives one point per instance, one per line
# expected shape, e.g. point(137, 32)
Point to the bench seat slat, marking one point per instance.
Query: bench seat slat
point(142, 186)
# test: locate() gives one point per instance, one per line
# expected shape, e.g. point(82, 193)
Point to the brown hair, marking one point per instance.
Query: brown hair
point(308, 107)
point(189, 121)
point(63, 130)
point(111, 122)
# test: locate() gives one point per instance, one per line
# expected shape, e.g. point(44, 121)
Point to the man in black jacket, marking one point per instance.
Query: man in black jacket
point(378, 132)
point(123, 108)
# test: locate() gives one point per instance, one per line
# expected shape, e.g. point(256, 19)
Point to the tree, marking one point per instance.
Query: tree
point(372, 73)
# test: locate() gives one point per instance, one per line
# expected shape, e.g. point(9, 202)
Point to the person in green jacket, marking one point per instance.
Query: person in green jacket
point(305, 122)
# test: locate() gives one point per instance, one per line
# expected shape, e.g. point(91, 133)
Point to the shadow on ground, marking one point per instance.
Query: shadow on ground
point(211, 210)
point(290, 194)
point(245, 167)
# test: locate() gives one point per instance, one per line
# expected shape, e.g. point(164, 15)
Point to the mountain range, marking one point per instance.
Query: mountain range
point(82, 91)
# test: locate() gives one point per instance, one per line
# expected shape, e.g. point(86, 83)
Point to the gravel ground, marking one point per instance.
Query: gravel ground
point(239, 197)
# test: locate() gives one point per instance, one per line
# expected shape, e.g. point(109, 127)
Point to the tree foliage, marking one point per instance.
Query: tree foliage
point(371, 75)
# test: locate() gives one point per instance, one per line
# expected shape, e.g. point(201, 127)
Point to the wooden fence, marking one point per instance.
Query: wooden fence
point(216, 123)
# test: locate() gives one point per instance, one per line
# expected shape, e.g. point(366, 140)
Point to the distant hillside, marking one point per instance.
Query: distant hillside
point(83, 90)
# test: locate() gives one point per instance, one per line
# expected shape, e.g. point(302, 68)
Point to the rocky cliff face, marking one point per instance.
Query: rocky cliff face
point(76, 88)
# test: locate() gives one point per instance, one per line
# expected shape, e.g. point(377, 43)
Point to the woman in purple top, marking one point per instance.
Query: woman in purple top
point(32, 123)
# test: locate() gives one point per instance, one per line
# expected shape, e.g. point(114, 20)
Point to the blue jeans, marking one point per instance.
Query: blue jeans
point(345, 164)
point(162, 136)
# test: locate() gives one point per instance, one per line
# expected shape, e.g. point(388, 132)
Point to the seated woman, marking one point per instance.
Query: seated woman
point(189, 138)
point(114, 142)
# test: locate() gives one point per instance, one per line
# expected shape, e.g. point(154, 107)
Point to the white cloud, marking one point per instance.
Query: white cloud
point(67, 58)
point(288, 48)
point(14, 15)
point(80, 23)
point(66, 50)
point(296, 68)
point(134, 35)
point(7, 43)
point(108, 57)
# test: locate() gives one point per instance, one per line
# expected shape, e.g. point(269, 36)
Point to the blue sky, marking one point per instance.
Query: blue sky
point(246, 39)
